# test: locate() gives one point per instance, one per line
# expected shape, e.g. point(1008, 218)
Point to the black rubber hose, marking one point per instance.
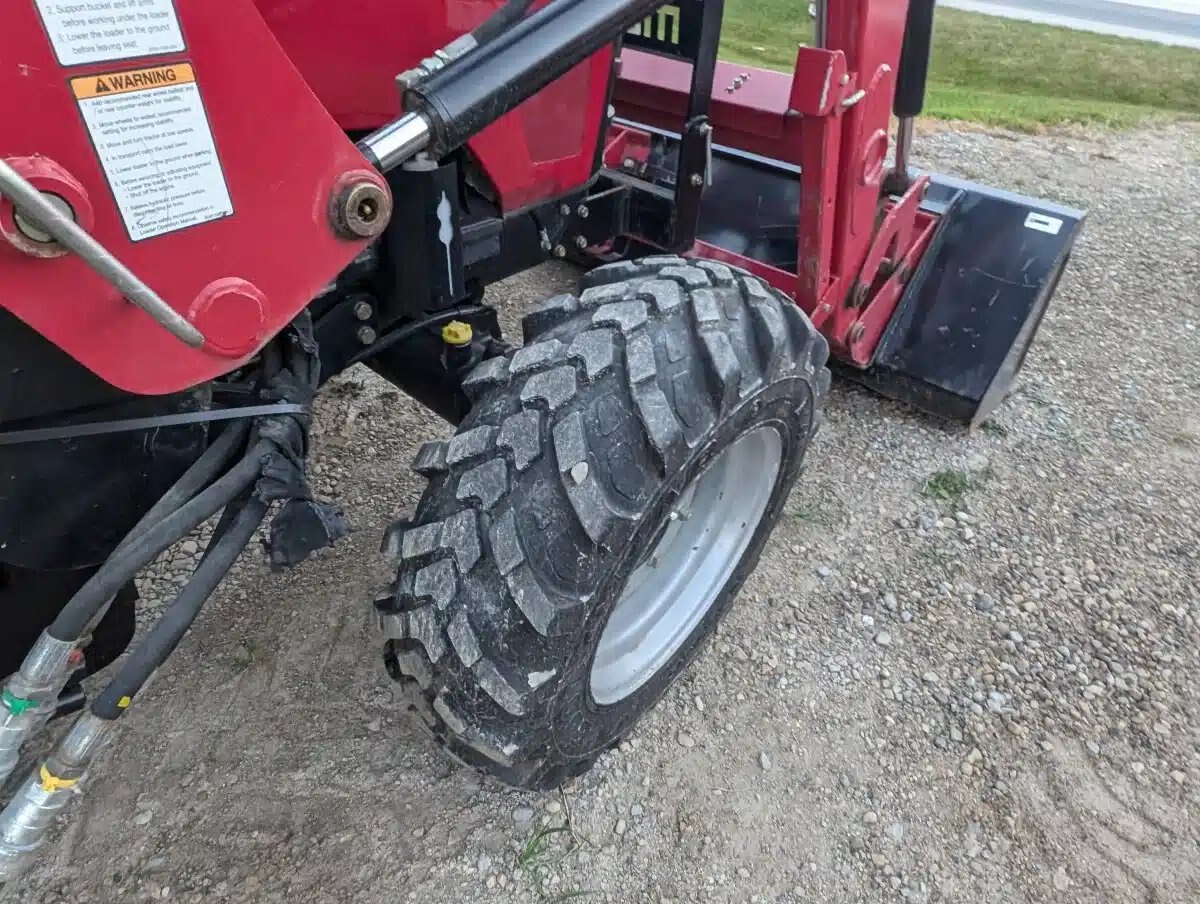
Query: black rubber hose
point(203, 471)
point(169, 630)
point(510, 13)
point(75, 617)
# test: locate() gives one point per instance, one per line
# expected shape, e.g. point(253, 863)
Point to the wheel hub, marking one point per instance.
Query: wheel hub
point(693, 558)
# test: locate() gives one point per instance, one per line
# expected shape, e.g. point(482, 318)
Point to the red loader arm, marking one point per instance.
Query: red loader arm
point(181, 138)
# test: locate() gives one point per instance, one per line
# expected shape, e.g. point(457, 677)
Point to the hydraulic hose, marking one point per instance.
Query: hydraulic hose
point(506, 16)
point(203, 471)
point(167, 632)
point(130, 558)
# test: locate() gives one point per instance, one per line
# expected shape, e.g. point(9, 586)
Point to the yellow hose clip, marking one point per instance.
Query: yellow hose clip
point(51, 782)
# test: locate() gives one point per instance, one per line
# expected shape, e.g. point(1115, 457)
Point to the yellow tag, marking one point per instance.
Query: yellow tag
point(51, 782)
point(124, 702)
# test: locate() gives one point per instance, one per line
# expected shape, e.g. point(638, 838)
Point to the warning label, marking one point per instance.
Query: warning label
point(96, 31)
point(155, 145)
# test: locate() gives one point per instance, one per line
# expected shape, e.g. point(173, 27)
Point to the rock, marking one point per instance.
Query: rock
point(621, 826)
point(930, 678)
point(896, 832)
point(1061, 880)
point(870, 817)
point(825, 571)
point(890, 602)
point(523, 816)
point(484, 863)
point(189, 548)
point(637, 810)
point(143, 818)
point(685, 740)
point(418, 832)
point(764, 761)
point(554, 807)
point(996, 701)
point(884, 639)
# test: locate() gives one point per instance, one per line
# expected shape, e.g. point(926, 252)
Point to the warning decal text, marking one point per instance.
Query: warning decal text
point(155, 145)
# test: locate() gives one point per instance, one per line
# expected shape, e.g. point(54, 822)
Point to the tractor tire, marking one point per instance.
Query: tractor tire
point(597, 512)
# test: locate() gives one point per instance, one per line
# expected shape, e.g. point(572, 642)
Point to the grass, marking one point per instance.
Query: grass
point(999, 72)
point(947, 487)
point(543, 853)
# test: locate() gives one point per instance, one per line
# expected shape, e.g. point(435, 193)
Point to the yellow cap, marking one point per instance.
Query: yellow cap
point(457, 333)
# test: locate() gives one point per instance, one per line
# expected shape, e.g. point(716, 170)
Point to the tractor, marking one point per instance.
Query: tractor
point(209, 209)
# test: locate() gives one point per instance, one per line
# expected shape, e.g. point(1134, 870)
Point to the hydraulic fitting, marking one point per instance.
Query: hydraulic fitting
point(28, 817)
point(30, 697)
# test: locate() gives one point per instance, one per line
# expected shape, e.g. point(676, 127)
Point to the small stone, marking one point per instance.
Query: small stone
point(579, 472)
point(636, 810)
point(1061, 880)
point(996, 701)
point(984, 603)
point(764, 761)
point(1137, 768)
point(884, 639)
point(484, 863)
point(870, 817)
point(685, 740)
point(1178, 776)
point(522, 816)
point(930, 678)
point(189, 547)
point(896, 832)
point(418, 832)
point(143, 818)
point(890, 602)
point(553, 807)
point(857, 845)
point(374, 725)
point(621, 826)
point(825, 571)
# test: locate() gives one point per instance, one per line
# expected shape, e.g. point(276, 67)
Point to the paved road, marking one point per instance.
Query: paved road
point(1165, 21)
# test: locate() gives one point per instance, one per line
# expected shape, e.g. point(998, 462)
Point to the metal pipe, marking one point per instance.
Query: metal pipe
point(820, 10)
point(70, 235)
point(27, 819)
point(397, 142)
point(904, 139)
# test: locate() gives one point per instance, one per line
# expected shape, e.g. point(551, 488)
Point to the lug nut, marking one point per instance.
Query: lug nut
point(367, 336)
point(363, 311)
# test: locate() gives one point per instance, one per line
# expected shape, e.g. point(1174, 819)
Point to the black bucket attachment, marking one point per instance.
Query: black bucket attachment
point(968, 316)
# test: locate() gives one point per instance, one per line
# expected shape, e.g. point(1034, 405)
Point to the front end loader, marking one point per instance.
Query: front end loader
point(208, 210)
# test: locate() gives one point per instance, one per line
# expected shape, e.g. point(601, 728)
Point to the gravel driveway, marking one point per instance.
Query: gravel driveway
point(980, 687)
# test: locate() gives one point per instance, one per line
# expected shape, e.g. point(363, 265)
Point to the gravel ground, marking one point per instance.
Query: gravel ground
point(984, 694)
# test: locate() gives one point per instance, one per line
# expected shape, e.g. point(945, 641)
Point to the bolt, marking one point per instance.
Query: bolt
point(583, 211)
point(581, 242)
point(697, 180)
point(362, 210)
point(629, 163)
point(363, 311)
point(560, 251)
point(366, 335)
point(31, 229)
point(565, 210)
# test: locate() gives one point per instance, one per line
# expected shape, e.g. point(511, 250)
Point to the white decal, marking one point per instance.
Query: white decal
point(1043, 223)
point(446, 236)
point(96, 31)
point(155, 146)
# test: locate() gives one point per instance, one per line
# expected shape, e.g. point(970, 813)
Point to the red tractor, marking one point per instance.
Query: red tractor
point(209, 208)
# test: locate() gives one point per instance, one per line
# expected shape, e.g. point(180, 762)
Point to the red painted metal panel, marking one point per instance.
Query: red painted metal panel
point(240, 277)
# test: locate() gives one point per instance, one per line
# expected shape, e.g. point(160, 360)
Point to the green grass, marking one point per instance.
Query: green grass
point(1004, 73)
point(947, 487)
